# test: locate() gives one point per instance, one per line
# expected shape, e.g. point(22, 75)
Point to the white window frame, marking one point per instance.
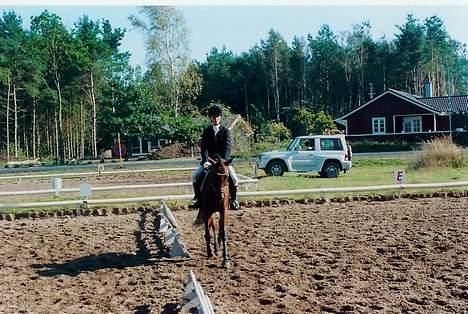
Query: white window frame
point(380, 124)
point(415, 121)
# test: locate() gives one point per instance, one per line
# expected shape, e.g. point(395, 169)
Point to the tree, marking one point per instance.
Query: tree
point(298, 62)
point(167, 39)
point(12, 63)
point(54, 40)
point(438, 54)
point(276, 52)
point(95, 51)
point(276, 132)
point(191, 85)
point(359, 43)
point(325, 70)
point(305, 122)
point(409, 44)
point(217, 77)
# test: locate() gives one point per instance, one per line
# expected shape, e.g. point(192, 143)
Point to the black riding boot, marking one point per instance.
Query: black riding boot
point(234, 204)
point(196, 199)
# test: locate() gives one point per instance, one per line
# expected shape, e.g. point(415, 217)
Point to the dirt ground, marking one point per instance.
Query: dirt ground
point(401, 256)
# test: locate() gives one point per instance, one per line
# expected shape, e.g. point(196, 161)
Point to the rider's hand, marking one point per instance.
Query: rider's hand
point(207, 164)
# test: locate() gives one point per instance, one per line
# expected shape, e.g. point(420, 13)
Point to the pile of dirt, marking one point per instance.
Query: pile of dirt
point(175, 150)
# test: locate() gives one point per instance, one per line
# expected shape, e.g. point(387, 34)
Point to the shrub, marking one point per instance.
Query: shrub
point(275, 132)
point(367, 146)
point(439, 152)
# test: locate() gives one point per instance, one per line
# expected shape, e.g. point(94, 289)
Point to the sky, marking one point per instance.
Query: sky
point(241, 27)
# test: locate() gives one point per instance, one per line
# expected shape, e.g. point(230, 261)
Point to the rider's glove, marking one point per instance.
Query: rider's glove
point(207, 164)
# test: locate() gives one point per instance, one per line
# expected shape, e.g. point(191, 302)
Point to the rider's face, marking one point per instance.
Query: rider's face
point(215, 120)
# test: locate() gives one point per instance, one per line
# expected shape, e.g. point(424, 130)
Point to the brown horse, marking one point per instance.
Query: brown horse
point(214, 197)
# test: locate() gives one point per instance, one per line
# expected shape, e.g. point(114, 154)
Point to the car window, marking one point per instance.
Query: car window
point(330, 144)
point(306, 145)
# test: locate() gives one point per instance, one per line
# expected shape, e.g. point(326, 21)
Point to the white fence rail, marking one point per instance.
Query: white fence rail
point(240, 194)
point(112, 188)
point(92, 173)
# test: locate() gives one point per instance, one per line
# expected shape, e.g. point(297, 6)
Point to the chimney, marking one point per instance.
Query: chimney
point(427, 88)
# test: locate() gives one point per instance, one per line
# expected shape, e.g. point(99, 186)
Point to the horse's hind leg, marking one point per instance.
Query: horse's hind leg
point(223, 236)
point(208, 238)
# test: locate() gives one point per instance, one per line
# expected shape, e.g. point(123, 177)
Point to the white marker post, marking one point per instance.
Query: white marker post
point(85, 191)
point(57, 185)
point(400, 176)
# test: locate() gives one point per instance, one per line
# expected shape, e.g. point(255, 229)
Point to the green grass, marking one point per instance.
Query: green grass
point(365, 172)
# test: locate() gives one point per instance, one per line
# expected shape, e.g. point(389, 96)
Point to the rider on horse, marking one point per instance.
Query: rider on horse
point(216, 143)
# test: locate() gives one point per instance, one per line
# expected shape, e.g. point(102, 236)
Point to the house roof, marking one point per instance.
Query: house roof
point(438, 105)
point(397, 93)
point(459, 103)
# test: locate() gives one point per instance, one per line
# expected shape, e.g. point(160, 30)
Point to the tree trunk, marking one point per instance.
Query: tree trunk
point(57, 156)
point(93, 103)
point(48, 134)
point(34, 128)
point(25, 138)
point(8, 119)
point(60, 141)
point(277, 105)
point(246, 100)
point(82, 130)
point(16, 120)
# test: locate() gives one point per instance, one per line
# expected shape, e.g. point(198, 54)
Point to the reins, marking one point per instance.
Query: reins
point(225, 174)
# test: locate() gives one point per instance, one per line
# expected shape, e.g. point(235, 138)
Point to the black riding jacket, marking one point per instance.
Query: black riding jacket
point(213, 146)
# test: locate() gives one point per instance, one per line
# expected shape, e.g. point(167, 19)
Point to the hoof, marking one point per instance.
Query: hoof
point(226, 264)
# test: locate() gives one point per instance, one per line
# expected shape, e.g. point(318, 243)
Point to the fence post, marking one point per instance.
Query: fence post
point(57, 185)
point(254, 171)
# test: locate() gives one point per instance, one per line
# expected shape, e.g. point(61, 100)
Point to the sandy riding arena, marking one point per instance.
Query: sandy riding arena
point(380, 257)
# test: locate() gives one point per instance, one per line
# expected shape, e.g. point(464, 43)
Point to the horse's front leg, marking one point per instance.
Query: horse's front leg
point(208, 238)
point(215, 236)
point(223, 236)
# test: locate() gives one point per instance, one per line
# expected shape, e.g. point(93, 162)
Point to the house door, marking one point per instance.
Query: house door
point(412, 124)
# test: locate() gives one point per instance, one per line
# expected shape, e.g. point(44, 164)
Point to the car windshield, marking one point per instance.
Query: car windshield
point(292, 144)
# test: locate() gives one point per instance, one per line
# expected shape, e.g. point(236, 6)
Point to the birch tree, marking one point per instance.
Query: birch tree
point(167, 43)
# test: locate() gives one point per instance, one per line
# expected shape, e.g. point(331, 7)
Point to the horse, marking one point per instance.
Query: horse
point(214, 197)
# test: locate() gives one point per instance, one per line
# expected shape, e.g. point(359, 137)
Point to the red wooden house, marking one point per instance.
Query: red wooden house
point(396, 114)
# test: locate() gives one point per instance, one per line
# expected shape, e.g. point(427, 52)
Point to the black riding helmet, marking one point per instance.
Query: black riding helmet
point(215, 111)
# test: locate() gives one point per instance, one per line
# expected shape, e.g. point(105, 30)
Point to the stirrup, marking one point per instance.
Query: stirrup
point(234, 205)
point(195, 204)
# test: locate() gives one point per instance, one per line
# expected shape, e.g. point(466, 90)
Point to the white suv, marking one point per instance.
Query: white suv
point(326, 154)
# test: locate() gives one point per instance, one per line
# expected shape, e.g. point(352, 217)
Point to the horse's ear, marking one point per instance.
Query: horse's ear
point(211, 160)
point(228, 162)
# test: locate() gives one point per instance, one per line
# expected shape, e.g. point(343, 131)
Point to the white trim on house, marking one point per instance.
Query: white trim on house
point(413, 114)
point(391, 91)
point(390, 134)
point(379, 121)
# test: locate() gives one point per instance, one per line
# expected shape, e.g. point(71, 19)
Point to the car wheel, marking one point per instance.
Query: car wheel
point(275, 168)
point(331, 169)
